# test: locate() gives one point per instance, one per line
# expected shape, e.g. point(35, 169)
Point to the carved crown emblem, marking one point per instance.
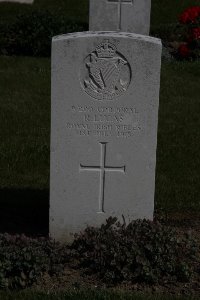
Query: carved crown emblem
point(106, 73)
point(106, 50)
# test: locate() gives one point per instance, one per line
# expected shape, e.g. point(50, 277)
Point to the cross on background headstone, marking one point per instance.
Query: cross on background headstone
point(102, 168)
point(120, 15)
point(120, 3)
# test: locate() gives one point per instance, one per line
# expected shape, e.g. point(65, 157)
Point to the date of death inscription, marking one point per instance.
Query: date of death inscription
point(120, 122)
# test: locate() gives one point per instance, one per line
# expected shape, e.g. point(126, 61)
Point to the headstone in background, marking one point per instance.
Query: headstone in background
point(19, 1)
point(105, 98)
point(122, 15)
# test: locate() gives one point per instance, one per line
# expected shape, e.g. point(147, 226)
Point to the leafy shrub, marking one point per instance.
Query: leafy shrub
point(31, 33)
point(23, 260)
point(143, 251)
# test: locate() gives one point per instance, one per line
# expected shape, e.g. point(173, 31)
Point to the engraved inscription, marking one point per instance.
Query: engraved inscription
point(104, 121)
point(105, 74)
point(102, 169)
point(120, 3)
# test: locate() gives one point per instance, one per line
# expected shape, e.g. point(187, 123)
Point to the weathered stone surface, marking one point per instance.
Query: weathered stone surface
point(105, 98)
point(19, 1)
point(123, 15)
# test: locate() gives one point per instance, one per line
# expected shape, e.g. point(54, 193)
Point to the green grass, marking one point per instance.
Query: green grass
point(85, 296)
point(163, 12)
point(178, 160)
point(24, 122)
point(25, 130)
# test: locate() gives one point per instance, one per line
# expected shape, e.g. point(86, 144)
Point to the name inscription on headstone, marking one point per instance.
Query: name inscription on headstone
point(104, 121)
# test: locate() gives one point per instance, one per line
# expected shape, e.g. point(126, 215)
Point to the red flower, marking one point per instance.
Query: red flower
point(190, 15)
point(195, 33)
point(184, 51)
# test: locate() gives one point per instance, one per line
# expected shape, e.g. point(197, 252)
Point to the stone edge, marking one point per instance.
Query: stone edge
point(112, 34)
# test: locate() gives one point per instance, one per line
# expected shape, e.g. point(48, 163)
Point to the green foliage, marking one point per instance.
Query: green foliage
point(30, 34)
point(74, 9)
point(23, 260)
point(166, 12)
point(167, 32)
point(141, 252)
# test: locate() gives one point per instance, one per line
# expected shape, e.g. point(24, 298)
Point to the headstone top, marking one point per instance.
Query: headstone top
point(121, 15)
point(109, 34)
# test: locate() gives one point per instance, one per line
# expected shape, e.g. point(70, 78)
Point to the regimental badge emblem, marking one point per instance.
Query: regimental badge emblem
point(106, 73)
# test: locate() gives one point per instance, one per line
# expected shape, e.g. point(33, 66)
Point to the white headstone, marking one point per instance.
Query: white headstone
point(19, 1)
point(105, 98)
point(123, 15)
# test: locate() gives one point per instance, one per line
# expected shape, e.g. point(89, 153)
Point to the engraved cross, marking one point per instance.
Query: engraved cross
point(120, 3)
point(102, 169)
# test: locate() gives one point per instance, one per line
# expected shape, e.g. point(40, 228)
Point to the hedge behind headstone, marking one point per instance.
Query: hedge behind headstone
point(31, 33)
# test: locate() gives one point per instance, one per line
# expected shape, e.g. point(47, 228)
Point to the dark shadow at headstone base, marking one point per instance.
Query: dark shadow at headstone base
point(24, 211)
